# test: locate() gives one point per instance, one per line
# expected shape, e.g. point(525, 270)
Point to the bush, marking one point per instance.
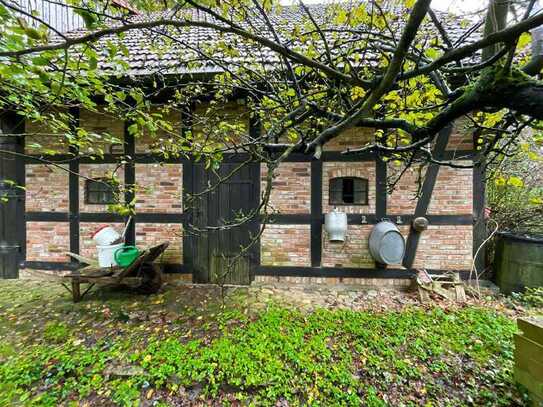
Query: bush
point(515, 189)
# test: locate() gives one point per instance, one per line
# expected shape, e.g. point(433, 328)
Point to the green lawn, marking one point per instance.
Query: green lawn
point(182, 348)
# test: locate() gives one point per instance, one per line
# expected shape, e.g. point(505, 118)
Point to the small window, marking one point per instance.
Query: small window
point(100, 191)
point(348, 191)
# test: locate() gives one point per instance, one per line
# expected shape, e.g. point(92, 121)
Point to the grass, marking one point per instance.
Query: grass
point(183, 348)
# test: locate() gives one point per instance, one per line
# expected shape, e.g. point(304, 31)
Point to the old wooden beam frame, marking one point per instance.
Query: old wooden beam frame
point(426, 195)
point(73, 186)
point(188, 188)
point(152, 158)
point(274, 271)
point(129, 179)
point(255, 129)
point(276, 219)
point(316, 213)
point(479, 224)
point(380, 189)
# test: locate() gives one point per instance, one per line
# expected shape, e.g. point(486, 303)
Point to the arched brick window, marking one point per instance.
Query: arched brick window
point(348, 191)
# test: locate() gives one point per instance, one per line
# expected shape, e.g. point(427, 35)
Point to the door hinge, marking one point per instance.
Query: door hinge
point(9, 248)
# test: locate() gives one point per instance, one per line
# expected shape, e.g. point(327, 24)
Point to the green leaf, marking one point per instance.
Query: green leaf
point(93, 63)
point(515, 182)
point(133, 128)
point(89, 18)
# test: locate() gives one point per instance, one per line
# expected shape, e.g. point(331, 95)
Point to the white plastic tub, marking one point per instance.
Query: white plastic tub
point(106, 255)
point(105, 235)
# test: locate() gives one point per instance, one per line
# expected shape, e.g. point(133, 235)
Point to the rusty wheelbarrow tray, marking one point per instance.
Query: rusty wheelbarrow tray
point(142, 274)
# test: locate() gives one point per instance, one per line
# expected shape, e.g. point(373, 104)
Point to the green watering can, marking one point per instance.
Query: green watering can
point(126, 255)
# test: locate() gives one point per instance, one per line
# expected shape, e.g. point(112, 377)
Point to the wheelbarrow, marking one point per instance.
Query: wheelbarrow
point(142, 274)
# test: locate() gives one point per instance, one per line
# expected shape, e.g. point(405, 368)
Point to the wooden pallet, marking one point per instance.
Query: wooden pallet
point(448, 286)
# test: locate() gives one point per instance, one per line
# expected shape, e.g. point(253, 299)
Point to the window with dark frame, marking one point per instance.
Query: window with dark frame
point(100, 191)
point(348, 191)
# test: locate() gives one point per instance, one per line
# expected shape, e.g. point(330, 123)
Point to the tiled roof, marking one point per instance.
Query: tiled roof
point(148, 51)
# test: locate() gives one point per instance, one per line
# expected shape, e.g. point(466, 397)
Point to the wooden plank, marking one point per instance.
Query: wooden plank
point(532, 328)
point(108, 280)
point(526, 346)
point(527, 380)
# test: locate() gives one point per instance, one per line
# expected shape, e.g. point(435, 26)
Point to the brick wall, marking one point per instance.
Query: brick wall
point(285, 245)
point(47, 241)
point(453, 192)
point(351, 253)
point(349, 169)
point(351, 138)
point(444, 247)
point(150, 234)
point(452, 195)
point(159, 188)
point(207, 120)
point(395, 283)
point(40, 137)
point(164, 136)
point(46, 188)
point(461, 137)
point(87, 246)
point(291, 191)
point(105, 130)
point(97, 171)
point(160, 191)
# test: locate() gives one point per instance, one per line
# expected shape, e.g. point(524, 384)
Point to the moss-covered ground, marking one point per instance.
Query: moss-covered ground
point(185, 346)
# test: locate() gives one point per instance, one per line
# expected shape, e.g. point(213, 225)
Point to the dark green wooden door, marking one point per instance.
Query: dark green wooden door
point(12, 206)
point(218, 254)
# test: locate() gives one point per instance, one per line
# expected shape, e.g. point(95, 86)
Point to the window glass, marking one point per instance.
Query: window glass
point(99, 191)
point(348, 191)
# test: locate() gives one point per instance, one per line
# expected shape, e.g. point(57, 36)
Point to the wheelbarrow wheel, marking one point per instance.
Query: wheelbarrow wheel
point(151, 278)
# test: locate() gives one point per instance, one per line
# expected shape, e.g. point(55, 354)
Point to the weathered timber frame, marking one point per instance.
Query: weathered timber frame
point(315, 218)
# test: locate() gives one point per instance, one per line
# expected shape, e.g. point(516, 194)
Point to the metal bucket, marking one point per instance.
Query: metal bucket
point(518, 262)
point(335, 224)
point(386, 243)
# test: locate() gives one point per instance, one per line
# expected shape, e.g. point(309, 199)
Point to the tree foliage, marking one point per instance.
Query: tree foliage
point(396, 68)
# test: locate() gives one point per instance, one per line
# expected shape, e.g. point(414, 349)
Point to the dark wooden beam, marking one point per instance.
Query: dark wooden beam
point(425, 196)
point(380, 189)
point(255, 129)
point(73, 187)
point(272, 271)
point(479, 226)
point(153, 158)
point(316, 213)
point(276, 219)
point(130, 180)
point(188, 188)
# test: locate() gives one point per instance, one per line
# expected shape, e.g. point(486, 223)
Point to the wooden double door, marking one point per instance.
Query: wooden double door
point(222, 247)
